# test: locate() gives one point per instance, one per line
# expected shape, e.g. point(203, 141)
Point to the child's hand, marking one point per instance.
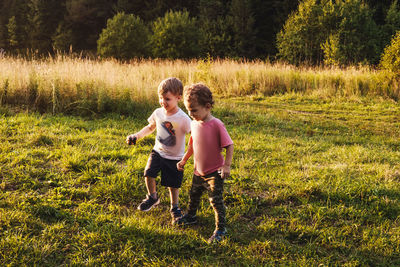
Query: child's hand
point(181, 165)
point(225, 171)
point(131, 139)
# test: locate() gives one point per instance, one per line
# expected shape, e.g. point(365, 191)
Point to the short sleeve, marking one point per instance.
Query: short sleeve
point(152, 118)
point(225, 139)
point(187, 125)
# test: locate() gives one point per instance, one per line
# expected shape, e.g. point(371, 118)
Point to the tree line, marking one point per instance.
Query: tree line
point(317, 31)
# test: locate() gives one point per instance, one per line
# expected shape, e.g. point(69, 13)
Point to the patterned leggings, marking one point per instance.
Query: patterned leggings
point(214, 185)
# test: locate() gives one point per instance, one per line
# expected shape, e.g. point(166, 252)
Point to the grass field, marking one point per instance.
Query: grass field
point(82, 86)
point(314, 182)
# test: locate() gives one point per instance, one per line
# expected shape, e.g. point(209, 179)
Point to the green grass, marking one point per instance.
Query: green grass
point(314, 181)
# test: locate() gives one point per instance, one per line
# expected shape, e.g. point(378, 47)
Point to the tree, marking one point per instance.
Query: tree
point(85, 19)
point(391, 57)
point(216, 33)
point(14, 32)
point(269, 18)
point(12, 28)
point(125, 37)
point(63, 38)
point(355, 38)
point(175, 36)
point(242, 19)
point(392, 23)
point(44, 16)
point(303, 33)
point(340, 32)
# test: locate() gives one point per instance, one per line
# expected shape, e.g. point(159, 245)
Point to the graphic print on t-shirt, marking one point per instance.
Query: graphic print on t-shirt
point(171, 139)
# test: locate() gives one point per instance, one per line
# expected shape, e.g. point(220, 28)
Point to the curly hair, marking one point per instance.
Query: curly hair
point(200, 93)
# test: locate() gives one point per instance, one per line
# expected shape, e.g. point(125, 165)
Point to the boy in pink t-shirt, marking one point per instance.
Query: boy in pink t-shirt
point(208, 138)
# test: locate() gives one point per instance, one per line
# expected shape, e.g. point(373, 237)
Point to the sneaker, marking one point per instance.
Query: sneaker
point(217, 236)
point(186, 220)
point(176, 213)
point(148, 203)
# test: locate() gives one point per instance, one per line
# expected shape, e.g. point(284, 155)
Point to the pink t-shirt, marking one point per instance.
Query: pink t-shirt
point(208, 139)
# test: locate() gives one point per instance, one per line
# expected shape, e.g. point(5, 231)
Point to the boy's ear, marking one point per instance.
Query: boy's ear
point(208, 105)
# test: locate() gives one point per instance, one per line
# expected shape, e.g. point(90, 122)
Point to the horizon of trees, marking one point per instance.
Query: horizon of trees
point(251, 29)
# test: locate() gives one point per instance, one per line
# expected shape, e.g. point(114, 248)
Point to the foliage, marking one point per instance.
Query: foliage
point(175, 35)
point(216, 30)
point(125, 37)
point(242, 21)
point(12, 32)
point(63, 39)
point(44, 17)
point(391, 57)
point(340, 32)
point(85, 19)
point(303, 33)
point(357, 34)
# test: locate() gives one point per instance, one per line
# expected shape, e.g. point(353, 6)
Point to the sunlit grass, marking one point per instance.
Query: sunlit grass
point(83, 86)
point(314, 182)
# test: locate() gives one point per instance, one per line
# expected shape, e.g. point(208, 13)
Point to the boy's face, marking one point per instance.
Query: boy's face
point(169, 101)
point(196, 111)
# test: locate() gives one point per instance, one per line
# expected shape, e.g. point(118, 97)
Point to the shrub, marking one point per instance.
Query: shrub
point(357, 35)
point(391, 56)
point(302, 34)
point(125, 37)
point(336, 32)
point(175, 36)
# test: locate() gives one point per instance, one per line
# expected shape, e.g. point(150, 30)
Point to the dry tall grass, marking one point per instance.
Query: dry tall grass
point(64, 83)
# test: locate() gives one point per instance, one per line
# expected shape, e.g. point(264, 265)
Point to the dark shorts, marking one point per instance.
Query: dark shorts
point(170, 176)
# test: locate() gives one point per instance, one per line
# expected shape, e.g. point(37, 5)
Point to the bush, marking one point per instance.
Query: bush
point(356, 38)
point(391, 56)
point(338, 33)
point(175, 36)
point(302, 34)
point(125, 37)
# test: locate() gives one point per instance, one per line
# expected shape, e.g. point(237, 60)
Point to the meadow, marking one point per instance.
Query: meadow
point(315, 176)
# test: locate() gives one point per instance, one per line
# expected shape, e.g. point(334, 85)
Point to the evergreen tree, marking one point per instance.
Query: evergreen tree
point(85, 19)
point(392, 23)
point(215, 29)
point(16, 26)
point(269, 18)
point(44, 17)
point(242, 19)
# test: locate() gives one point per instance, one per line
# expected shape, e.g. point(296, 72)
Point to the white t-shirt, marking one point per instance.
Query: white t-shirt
point(171, 131)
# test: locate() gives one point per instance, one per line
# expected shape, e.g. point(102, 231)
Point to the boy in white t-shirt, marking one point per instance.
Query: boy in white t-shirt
point(172, 125)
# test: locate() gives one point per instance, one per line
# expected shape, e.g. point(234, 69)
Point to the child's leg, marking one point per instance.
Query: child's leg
point(196, 191)
point(215, 193)
point(151, 186)
point(174, 196)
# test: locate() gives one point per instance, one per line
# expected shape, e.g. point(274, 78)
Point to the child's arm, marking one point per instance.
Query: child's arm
point(226, 168)
point(142, 133)
point(181, 164)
